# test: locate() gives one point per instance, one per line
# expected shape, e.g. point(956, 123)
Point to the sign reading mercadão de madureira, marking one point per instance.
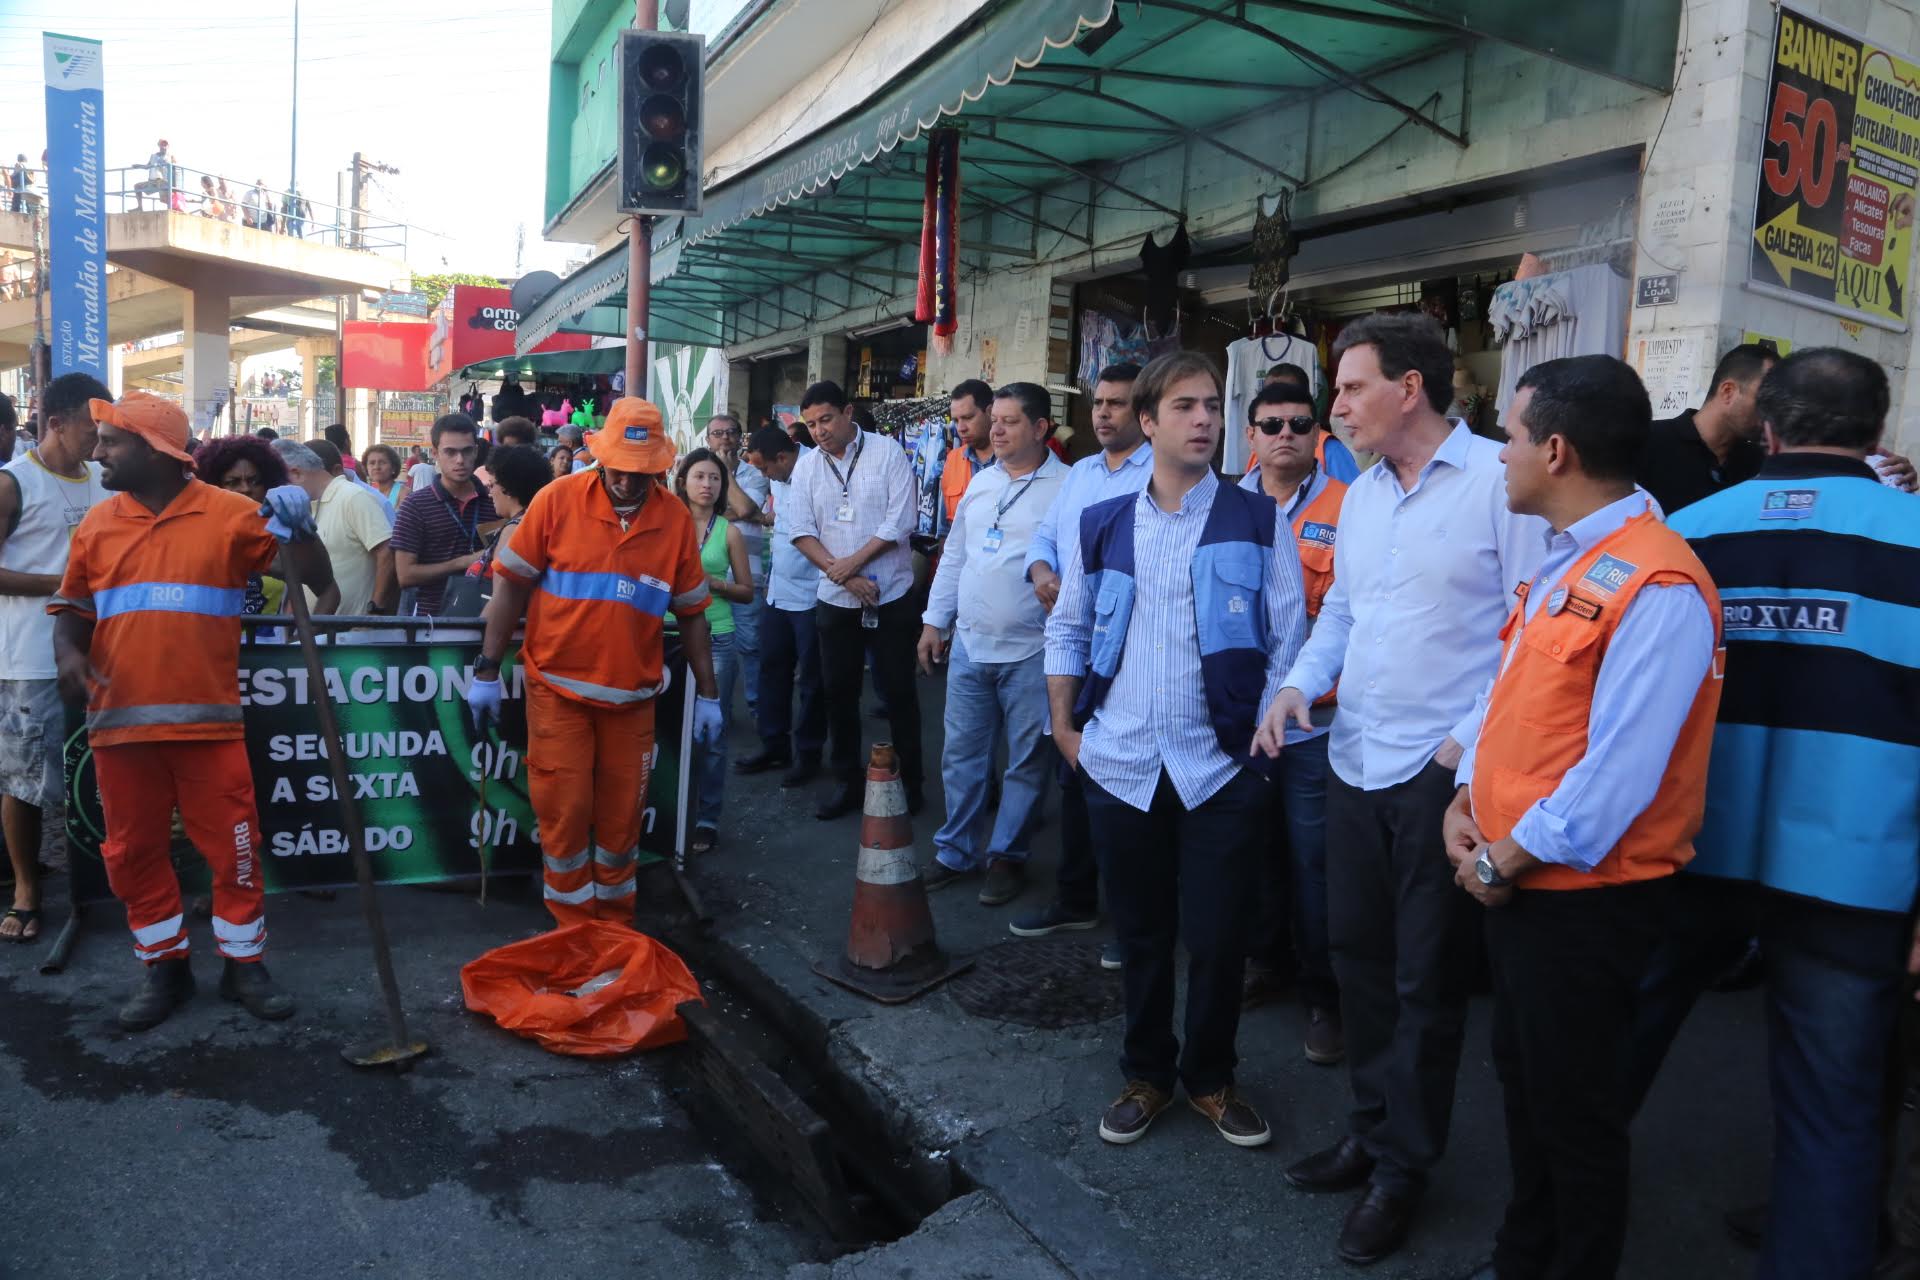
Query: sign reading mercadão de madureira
point(76, 222)
point(1833, 224)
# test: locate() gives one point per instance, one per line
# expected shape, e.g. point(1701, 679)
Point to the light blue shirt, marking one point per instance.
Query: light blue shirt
point(793, 583)
point(981, 586)
point(1310, 490)
point(1057, 540)
point(754, 484)
point(1648, 679)
point(1422, 581)
point(1155, 714)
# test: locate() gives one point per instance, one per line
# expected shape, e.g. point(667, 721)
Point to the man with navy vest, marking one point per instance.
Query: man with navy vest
point(1811, 840)
point(1424, 573)
point(1172, 630)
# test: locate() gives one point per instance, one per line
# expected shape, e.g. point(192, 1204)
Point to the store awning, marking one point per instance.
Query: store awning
point(1053, 97)
point(601, 278)
point(597, 359)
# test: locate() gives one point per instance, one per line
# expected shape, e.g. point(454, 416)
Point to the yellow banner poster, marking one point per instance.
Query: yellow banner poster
point(1833, 225)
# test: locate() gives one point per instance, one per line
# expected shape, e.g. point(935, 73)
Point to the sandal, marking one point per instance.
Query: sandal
point(704, 839)
point(29, 918)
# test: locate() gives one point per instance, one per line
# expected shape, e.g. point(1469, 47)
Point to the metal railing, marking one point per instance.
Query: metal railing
point(270, 209)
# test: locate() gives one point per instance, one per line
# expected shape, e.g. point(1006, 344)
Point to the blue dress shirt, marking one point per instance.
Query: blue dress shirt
point(1647, 683)
point(1057, 540)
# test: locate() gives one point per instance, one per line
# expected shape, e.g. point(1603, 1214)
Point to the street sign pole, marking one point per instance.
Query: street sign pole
point(646, 17)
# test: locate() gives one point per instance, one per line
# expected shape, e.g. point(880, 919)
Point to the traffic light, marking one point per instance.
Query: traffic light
point(661, 81)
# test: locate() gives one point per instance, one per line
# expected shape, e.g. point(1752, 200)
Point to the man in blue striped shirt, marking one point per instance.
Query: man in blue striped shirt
point(1173, 628)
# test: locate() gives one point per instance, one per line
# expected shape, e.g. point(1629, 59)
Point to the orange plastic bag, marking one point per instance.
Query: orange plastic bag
point(591, 990)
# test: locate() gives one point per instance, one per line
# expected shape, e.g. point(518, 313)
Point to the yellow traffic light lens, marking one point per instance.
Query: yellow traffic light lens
point(662, 167)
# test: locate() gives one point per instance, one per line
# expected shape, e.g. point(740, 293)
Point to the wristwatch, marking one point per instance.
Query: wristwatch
point(483, 667)
point(1488, 873)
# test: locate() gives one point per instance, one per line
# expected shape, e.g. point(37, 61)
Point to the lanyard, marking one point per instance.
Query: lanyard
point(1002, 509)
point(846, 482)
point(708, 531)
point(469, 527)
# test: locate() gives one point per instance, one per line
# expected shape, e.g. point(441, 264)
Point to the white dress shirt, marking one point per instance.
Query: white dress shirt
point(981, 586)
point(874, 488)
point(1422, 582)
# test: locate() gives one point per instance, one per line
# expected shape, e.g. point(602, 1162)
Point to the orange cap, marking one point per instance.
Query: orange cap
point(634, 439)
point(159, 422)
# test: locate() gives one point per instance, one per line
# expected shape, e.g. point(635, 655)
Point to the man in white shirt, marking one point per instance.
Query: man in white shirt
point(353, 528)
point(854, 505)
point(1424, 572)
point(789, 643)
point(43, 497)
point(982, 615)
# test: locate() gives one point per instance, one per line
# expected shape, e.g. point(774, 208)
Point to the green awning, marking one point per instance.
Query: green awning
point(594, 360)
point(601, 278)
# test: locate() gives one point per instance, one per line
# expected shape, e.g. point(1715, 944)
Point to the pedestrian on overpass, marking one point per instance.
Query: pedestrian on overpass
point(147, 633)
point(1580, 795)
point(599, 558)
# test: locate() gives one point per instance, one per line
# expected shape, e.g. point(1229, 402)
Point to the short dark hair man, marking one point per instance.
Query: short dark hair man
point(1173, 627)
point(971, 405)
point(516, 430)
point(436, 534)
point(1580, 794)
point(1705, 450)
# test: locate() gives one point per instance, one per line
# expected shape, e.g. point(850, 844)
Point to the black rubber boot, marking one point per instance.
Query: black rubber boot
point(165, 986)
point(252, 986)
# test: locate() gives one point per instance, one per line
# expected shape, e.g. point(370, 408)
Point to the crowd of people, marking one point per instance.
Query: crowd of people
point(1551, 702)
point(259, 206)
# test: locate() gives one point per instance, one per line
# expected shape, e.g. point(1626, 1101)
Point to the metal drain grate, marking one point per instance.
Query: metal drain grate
point(1040, 982)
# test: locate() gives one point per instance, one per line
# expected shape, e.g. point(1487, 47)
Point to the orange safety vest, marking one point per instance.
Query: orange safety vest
point(955, 475)
point(1536, 722)
point(1314, 529)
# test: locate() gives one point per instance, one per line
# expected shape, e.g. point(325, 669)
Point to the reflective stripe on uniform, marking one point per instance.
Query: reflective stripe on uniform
point(560, 866)
point(154, 953)
point(615, 861)
point(645, 593)
point(151, 934)
point(169, 597)
point(588, 689)
point(572, 897)
point(687, 599)
point(618, 889)
point(167, 713)
point(240, 941)
point(513, 562)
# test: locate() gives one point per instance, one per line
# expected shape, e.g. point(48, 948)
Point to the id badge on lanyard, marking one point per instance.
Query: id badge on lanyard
point(844, 514)
point(994, 537)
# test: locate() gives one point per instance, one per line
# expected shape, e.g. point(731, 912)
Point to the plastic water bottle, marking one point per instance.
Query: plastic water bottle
point(870, 614)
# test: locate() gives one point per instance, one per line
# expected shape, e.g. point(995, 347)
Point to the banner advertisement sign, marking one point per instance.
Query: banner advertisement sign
point(430, 792)
point(76, 193)
point(1833, 225)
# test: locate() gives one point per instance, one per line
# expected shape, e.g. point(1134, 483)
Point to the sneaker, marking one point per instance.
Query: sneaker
point(1326, 1039)
point(939, 875)
point(164, 987)
point(1006, 878)
point(1126, 1120)
point(1110, 956)
point(1052, 919)
point(1234, 1117)
point(253, 987)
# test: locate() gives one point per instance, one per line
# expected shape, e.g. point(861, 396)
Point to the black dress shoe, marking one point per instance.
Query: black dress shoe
point(762, 761)
point(1376, 1227)
point(805, 769)
point(1341, 1167)
point(916, 800)
point(848, 799)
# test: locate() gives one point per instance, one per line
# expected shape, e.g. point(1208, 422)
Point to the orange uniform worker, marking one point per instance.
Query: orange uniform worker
point(598, 559)
point(147, 631)
point(972, 407)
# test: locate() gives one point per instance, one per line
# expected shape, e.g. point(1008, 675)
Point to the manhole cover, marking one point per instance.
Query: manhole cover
point(1040, 982)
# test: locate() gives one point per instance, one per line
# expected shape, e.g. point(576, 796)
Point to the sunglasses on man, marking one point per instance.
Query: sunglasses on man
point(1300, 425)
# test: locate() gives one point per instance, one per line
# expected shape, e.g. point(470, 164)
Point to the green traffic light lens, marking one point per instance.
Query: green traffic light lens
point(662, 167)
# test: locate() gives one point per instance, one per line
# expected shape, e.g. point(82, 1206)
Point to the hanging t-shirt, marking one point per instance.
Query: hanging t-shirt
point(1247, 363)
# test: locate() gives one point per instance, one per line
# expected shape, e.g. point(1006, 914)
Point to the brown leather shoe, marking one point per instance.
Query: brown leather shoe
point(1376, 1227)
point(1341, 1167)
point(1127, 1119)
point(1326, 1040)
point(1234, 1117)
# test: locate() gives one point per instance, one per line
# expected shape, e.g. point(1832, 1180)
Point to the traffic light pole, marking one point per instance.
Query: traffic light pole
point(646, 16)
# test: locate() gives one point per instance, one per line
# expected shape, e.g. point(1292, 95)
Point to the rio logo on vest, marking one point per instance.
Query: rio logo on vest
point(1317, 531)
point(1788, 504)
point(1610, 573)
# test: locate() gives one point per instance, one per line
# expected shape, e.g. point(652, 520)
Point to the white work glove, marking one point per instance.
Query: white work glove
point(708, 723)
point(289, 513)
point(483, 703)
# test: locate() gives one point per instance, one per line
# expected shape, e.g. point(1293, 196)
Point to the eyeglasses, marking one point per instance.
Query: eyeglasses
point(1300, 425)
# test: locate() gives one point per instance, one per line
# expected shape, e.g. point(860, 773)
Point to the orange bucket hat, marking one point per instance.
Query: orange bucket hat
point(634, 439)
point(159, 422)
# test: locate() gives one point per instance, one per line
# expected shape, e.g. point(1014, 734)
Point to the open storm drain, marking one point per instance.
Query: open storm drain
point(1040, 982)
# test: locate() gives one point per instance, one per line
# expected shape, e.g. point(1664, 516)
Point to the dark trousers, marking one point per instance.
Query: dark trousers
point(843, 654)
point(790, 667)
point(1403, 937)
point(1078, 880)
point(1834, 980)
point(1175, 872)
point(1567, 967)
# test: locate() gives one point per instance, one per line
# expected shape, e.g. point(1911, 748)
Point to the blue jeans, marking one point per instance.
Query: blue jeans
point(713, 759)
point(746, 643)
point(790, 668)
point(982, 699)
point(1302, 779)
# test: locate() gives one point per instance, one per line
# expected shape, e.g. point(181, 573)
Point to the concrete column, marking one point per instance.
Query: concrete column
point(827, 358)
point(310, 350)
point(207, 358)
point(739, 389)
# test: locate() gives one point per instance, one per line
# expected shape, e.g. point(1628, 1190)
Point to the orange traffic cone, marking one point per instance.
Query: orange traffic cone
point(891, 952)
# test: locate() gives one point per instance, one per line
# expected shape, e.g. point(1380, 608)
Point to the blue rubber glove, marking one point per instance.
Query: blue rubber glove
point(708, 723)
point(483, 703)
point(289, 513)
